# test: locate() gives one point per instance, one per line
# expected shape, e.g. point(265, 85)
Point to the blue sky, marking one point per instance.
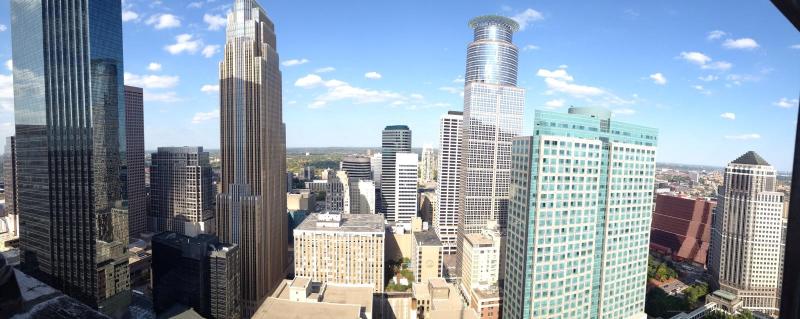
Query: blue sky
point(715, 83)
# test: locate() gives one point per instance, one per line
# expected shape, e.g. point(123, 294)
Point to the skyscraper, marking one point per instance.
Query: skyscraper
point(70, 141)
point(358, 169)
point(445, 219)
point(747, 241)
point(251, 209)
point(10, 176)
point(181, 191)
point(395, 139)
point(405, 187)
point(135, 187)
point(493, 107)
point(579, 219)
point(427, 169)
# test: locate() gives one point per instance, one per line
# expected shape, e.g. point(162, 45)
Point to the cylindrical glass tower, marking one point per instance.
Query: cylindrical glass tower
point(492, 57)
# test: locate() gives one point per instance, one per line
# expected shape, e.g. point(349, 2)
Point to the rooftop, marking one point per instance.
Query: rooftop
point(751, 158)
point(479, 240)
point(427, 238)
point(396, 127)
point(367, 223)
point(338, 301)
point(493, 19)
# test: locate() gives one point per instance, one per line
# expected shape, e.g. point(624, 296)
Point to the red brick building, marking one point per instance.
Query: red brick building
point(681, 228)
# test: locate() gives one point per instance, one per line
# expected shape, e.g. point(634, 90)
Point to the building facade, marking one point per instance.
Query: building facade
point(337, 193)
point(493, 110)
point(395, 139)
point(427, 172)
point(358, 168)
point(345, 249)
point(405, 187)
point(73, 219)
point(197, 272)
point(134, 136)
point(746, 259)
point(251, 209)
point(580, 215)
point(681, 228)
point(10, 178)
point(181, 191)
point(366, 197)
point(445, 219)
point(426, 256)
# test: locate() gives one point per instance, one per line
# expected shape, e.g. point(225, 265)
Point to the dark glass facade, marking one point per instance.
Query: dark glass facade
point(70, 124)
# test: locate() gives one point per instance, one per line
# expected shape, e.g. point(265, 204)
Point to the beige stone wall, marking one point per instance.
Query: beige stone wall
point(341, 257)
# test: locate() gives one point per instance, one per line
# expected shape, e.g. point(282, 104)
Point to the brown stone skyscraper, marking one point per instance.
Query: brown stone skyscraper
point(251, 210)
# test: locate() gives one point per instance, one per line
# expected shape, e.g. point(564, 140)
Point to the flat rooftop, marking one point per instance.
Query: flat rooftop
point(365, 223)
point(338, 301)
point(427, 238)
point(479, 240)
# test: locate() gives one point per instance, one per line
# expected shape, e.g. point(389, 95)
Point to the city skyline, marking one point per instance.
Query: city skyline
point(654, 80)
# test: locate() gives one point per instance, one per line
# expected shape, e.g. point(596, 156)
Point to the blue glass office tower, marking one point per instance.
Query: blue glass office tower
point(70, 130)
point(579, 217)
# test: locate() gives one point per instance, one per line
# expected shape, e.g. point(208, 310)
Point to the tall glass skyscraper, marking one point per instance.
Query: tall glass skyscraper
point(579, 218)
point(493, 108)
point(394, 139)
point(70, 141)
point(251, 209)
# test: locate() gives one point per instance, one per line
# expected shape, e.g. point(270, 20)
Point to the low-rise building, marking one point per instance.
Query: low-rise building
point(300, 199)
point(426, 256)
point(437, 299)
point(304, 298)
point(681, 228)
point(341, 248)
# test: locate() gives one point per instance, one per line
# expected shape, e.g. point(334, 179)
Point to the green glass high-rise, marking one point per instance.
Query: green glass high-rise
point(70, 141)
point(579, 217)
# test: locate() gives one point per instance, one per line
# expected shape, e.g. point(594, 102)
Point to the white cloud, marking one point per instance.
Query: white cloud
point(701, 89)
point(751, 136)
point(658, 78)
point(164, 21)
point(450, 89)
point(704, 61)
point(716, 34)
point(3, 27)
point(184, 43)
point(337, 90)
point(728, 116)
point(623, 112)
point(215, 22)
point(151, 81)
point(294, 62)
point(200, 117)
point(695, 57)
point(459, 79)
point(325, 69)
point(166, 97)
point(10, 65)
point(708, 78)
point(6, 93)
point(154, 66)
point(128, 15)
point(560, 74)
point(210, 88)
point(554, 104)
point(795, 46)
point(308, 81)
point(210, 50)
point(526, 17)
point(786, 103)
point(741, 44)
point(373, 75)
point(718, 65)
point(530, 47)
point(195, 5)
point(571, 88)
point(563, 66)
